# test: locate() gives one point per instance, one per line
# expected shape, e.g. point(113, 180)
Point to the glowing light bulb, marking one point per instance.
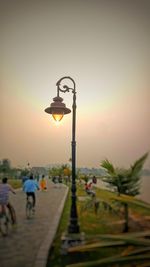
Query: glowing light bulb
point(58, 117)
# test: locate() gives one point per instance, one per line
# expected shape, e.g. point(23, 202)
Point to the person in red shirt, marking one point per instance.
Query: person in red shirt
point(88, 188)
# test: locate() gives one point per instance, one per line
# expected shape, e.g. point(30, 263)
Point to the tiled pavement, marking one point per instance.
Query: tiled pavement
point(28, 245)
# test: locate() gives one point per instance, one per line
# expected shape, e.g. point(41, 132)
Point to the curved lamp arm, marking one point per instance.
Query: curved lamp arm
point(66, 88)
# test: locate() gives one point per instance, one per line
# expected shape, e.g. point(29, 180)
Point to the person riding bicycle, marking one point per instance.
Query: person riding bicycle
point(4, 198)
point(29, 187)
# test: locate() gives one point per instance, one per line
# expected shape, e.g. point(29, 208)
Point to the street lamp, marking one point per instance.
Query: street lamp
point(58, 109)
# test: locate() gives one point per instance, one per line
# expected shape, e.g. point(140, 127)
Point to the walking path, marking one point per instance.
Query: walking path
point(28, 245)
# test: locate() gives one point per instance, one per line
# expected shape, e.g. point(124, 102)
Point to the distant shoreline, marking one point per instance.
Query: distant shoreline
point(145, 188)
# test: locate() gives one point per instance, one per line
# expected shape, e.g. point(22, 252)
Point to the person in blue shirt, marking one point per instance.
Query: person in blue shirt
point(24, 178)
point(29, 187)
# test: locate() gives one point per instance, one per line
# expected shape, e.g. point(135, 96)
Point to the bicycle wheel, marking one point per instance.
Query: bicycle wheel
point(28, 209)
point(14, 221)
point(4, 224)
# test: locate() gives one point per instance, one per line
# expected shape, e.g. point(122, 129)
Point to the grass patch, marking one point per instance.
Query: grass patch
point(15, 183)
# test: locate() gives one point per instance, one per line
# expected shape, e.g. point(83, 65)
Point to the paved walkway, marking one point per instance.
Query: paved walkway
point(28, 245)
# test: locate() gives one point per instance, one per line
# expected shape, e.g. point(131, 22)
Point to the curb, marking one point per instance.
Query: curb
point(42, 256)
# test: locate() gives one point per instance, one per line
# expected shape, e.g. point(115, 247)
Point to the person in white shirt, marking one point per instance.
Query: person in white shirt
point(4, 199)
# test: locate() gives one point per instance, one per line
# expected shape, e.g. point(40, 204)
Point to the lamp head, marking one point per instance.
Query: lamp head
point(57, 108)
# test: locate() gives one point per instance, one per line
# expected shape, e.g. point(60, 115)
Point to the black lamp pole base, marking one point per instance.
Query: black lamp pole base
point(71, 240)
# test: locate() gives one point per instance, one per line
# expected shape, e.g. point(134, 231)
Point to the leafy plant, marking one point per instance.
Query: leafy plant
point(131, 254)
point(124, 181)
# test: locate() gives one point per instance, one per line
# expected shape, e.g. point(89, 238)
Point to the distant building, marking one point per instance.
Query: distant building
point(39, 170)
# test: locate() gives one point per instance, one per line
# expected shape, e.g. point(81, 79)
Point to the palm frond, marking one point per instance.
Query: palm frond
point(112, 260)
point(138, 165)
point(106, 164)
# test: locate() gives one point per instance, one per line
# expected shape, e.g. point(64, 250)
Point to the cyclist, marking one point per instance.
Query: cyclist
point(29, 187)
point(4, 198)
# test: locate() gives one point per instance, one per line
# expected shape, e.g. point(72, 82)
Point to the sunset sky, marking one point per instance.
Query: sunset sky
point(104, 45)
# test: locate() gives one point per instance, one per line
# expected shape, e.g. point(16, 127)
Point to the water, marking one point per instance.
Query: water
point(145, 189)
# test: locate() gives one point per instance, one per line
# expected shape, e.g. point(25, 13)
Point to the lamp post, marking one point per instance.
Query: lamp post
point(58, 109)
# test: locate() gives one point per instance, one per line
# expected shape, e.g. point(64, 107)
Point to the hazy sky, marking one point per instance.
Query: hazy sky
point(104, 45)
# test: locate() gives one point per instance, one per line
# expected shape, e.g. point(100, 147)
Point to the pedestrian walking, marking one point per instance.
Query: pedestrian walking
point(43, 186)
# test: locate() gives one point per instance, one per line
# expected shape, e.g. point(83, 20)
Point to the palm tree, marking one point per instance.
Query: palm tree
point(124, 181)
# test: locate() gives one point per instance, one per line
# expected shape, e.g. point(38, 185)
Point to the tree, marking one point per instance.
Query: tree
point(124, 181)
point(58, 170)
point(7, 170)
point(5, 166)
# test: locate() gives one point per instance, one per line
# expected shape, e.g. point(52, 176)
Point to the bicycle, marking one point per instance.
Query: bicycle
point(29, 207)
point(5, 220)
